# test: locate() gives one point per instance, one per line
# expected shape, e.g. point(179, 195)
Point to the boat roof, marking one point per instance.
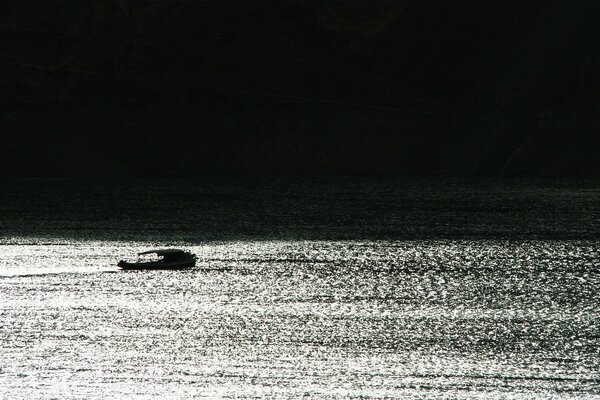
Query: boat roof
point(162, 252)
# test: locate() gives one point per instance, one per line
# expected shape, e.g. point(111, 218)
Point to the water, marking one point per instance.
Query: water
point(323, 288)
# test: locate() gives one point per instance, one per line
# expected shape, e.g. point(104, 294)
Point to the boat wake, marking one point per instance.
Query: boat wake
point(31, 272)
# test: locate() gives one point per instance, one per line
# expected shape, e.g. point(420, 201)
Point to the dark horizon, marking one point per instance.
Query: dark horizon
point(300, 88)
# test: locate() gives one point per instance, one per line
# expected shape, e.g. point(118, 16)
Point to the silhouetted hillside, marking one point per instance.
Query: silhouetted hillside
point(300, 87)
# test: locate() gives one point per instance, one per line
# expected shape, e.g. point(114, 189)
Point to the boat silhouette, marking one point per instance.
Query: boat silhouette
point(172, 259)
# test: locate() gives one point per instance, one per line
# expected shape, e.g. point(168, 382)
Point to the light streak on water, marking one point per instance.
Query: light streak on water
point(423, 319)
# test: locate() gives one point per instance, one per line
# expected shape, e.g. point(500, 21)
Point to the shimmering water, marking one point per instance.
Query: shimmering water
point(468, 316)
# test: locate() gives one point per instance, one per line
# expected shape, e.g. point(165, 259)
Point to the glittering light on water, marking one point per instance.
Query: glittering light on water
point(290, 319)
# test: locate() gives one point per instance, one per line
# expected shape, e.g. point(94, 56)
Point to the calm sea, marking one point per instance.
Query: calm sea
point(320, 288)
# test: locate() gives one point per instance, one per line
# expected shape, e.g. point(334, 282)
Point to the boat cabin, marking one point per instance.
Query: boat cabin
point(166, 256)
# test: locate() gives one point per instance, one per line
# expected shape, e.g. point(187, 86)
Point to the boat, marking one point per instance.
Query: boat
point(172, 259)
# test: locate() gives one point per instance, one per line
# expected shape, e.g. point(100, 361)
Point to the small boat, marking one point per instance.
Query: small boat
point(162, 259)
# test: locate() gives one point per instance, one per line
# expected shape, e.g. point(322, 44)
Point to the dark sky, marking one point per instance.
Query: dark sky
point(409, 87)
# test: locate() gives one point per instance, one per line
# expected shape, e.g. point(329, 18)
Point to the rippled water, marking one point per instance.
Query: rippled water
point(460, 317)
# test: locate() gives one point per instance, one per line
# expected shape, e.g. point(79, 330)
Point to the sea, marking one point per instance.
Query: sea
point(316, 288)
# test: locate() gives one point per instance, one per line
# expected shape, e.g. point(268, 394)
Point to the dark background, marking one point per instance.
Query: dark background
point(488, 88)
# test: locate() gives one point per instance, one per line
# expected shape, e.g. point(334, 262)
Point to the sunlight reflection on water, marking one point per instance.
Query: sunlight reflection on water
point(289, 319)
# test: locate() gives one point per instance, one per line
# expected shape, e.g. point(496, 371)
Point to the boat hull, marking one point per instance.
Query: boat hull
point(157, 265)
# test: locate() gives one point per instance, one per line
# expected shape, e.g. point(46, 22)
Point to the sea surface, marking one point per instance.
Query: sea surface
point(324, 288)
